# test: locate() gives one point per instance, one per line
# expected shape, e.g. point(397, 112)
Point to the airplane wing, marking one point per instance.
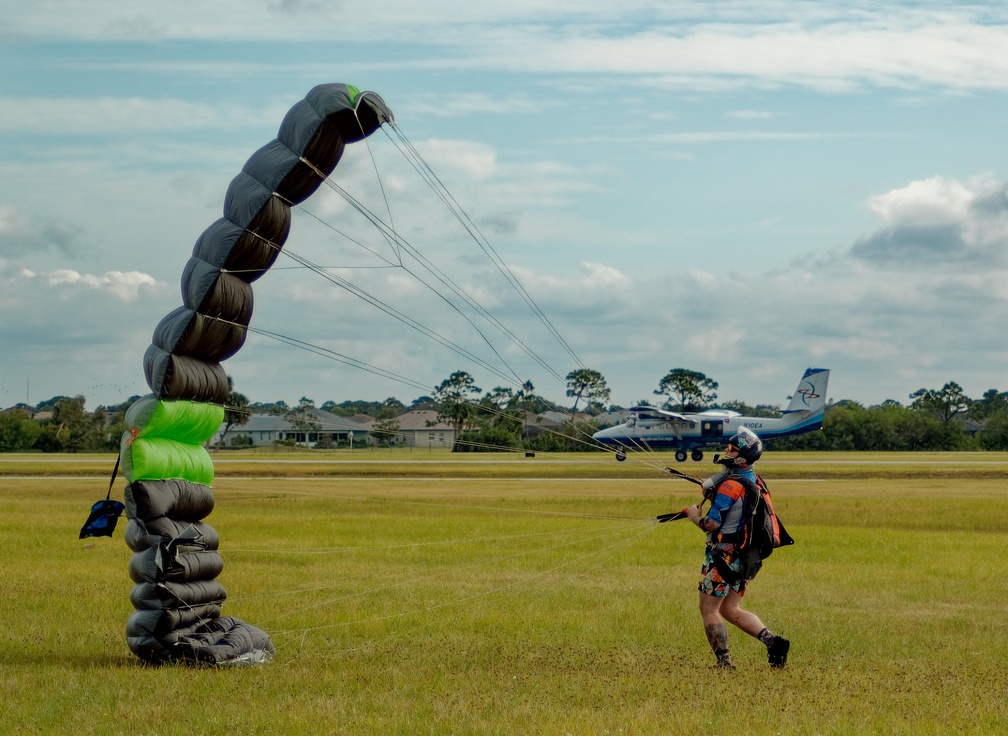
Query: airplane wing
point(651, 412)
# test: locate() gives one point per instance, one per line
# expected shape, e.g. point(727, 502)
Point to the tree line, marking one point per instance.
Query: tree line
point(934, 419)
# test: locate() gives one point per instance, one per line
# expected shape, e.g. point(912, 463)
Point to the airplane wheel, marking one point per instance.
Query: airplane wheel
point(620, 456)
point(697, 455)
point(680, 456)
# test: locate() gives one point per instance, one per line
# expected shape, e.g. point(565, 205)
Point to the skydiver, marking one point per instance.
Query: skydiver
point(720, 600)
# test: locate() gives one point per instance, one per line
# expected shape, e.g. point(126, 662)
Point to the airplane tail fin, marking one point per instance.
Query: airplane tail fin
point(810, 396)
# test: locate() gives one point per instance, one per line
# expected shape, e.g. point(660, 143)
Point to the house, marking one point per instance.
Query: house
point(551, 421)
point(265, 430)
point(415, 432)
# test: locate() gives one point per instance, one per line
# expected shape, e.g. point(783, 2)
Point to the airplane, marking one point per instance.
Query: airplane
point(650, 428)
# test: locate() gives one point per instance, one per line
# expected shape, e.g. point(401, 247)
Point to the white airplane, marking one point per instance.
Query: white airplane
point(657, 429)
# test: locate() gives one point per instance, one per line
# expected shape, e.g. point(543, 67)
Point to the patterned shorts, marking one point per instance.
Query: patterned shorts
point(711, 581)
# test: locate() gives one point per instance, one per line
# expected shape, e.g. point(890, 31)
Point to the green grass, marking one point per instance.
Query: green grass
point(412, 593)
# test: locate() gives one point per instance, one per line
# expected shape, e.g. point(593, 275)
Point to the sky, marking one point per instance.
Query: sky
point(743, 190)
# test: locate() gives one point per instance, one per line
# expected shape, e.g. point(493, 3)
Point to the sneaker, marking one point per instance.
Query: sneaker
point(724, 661)
point(777, 652)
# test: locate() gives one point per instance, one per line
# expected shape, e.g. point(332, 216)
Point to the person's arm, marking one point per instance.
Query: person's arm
point(727, 493)
point(707, 523)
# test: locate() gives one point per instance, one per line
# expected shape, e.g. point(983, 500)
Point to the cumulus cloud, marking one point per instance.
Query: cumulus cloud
point(21, 235)
point(123, 285)
point(926, 203)
point(938, 220)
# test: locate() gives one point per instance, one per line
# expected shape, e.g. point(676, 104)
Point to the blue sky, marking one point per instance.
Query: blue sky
point(741, 191)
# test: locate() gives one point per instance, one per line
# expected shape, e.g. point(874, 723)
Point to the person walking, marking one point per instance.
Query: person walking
point(721, 599)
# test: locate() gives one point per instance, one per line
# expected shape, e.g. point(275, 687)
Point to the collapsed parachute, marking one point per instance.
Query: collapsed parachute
point(168, 471)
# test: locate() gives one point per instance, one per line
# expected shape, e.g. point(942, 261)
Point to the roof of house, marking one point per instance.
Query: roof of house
point(418, 420)
point(278, 423)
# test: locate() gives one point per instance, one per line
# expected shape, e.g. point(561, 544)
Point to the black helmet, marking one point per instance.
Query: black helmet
point(749, 446)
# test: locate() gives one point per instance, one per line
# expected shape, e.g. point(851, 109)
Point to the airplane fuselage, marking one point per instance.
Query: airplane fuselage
point(650, 428)
point(708, 429)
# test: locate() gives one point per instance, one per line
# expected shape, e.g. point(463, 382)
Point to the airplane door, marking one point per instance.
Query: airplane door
point(712, 430)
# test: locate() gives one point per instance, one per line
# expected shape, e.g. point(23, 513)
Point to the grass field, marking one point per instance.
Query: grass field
point(423, 592)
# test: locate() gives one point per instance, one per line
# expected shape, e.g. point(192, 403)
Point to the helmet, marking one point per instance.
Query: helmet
point(749, 446)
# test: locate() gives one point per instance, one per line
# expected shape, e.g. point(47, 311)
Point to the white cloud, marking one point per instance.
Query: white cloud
point(941, 220)
point(20, 234)
point(898, 44)
point(477, 160)
point(124, 285)
point(629, 234)
point(749, 115)
point(928, 202)
point(122, 115)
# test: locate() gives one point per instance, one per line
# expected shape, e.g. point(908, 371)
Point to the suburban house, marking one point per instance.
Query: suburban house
point(415, 432)
point(265, 430)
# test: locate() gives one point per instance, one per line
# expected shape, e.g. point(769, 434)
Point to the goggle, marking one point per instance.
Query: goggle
point(732, 448)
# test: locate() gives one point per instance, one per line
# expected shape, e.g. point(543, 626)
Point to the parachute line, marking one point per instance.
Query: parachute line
point(412, 155)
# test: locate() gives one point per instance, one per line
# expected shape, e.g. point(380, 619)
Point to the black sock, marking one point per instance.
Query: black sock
point(766, 637)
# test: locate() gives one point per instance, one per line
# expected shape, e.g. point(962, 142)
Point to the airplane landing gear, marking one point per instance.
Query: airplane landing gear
point(620, 455)
point(697, 455)
point(680, 456)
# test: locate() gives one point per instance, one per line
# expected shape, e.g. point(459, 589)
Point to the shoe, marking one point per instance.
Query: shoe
point(777, 652)
point(724, 665)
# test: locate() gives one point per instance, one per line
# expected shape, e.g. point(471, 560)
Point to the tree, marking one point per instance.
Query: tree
point(386, 425)
point(303, 417)
point(587, 384)
point(524, 397)
point(693, 389)
point(993, 401)
point(456, 396)
point(497, 425)
point(946, 404)
point(350, 408)
point(236, 410)
point(17, 431)
point(499, 399)
point(77, 431)
point(276, 408)
point(569, 437)
point(994, 435)
point(890, 427)
point(423, 403)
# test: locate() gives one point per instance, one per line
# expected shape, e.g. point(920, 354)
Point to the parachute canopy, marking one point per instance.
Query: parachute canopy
point(169, 473)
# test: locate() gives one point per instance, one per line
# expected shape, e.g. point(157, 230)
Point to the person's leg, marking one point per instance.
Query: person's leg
point(715, 629)
point(777, 646)
point(731, 611)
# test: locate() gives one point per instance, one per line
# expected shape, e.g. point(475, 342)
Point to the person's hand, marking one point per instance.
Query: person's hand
point(693, 513)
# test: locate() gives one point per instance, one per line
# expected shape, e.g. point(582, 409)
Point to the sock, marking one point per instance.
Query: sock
point(766, 637)
point(723, 657)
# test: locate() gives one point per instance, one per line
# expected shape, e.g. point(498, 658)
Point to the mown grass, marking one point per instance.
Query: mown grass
point(475, 594)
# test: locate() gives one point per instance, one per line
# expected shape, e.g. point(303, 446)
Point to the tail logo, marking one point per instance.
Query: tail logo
point(808, 393)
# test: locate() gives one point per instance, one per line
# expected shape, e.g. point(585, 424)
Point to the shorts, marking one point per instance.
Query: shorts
point(711, 581)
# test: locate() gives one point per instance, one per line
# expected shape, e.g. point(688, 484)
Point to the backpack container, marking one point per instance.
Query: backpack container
point(762, 532)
